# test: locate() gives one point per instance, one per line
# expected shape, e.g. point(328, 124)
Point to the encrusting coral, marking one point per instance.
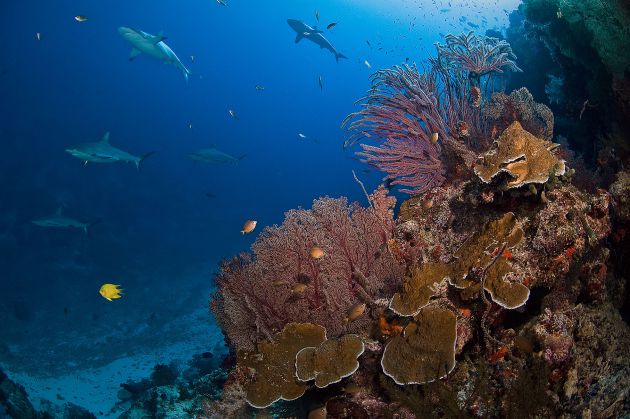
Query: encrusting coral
point(417, 288)
point(484, 257)
point(425, 351)
point(480, 261)
point(331, 361)
point(272, 366)
point(523, 156)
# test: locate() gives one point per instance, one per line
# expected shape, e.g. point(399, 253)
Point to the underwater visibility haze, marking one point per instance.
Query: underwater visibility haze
point(315, 209)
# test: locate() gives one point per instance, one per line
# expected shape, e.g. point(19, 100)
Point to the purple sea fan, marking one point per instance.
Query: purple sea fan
point(467, 66)
point(402, 113)
point(477, 55)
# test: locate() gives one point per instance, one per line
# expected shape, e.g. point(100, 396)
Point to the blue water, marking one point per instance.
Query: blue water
point(159, 235)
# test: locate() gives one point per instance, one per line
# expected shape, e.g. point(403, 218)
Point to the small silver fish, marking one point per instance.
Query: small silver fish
point(317, 15)
point(38, 36)
point(80, 18)
point(302, 136)
point(367, 64)
point(233, 114)
point(222, 2)
point(321, 83)
point(260, 88)
point(192, 58)
point(331, 25)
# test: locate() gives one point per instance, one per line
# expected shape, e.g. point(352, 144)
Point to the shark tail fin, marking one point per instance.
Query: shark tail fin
point(87, 227)
point(141, 159)
point(339, 55)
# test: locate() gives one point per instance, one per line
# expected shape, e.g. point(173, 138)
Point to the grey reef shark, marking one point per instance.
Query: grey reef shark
point(212, 155)
point(152, 45)
point(103, 152)
point(58, 220)
point(313, 34)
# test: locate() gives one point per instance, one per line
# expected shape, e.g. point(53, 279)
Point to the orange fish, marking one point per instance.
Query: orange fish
point(299, 288)
point(434, 137)
point(249, 226)
point(355, 312)
point(317, 252)
point(279, 282)
point(466, 312)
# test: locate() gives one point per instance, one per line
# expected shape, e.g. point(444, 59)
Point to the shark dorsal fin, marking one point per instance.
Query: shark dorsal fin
point(59, 211)
point(105, 138)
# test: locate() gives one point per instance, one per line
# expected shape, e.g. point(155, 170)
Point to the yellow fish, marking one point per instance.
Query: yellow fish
point(434, 137)
point(110, 291)
point(249, 226)
point(317, 252)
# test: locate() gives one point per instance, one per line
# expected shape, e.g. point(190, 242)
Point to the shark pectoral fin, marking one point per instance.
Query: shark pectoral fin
point(134, 53)
point(298, 37)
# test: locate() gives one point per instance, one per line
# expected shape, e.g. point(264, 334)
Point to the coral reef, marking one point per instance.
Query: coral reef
point(552, 250)
point(15, 403)
point(620, 191)
point(331, 361)
point(601, 27)
point(272, 368)
point(425, 351)
point(523, 156)
point(169, 393)
point(502, 110)
point(494, 293)
point(582, 43)
point(14, 400)
point(420, 119)
point(281, 282)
